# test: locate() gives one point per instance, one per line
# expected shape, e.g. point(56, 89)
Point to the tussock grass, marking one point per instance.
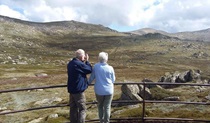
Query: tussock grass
point(136, 112)
point(180, 113)
point(159, 94)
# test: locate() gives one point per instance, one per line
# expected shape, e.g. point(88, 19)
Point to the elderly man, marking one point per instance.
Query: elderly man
point(77, 70)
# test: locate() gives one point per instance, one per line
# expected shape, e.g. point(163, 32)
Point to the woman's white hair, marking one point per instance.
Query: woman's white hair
point(103, 57)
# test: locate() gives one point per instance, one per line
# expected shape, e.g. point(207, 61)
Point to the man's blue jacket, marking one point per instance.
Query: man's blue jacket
point(77, 71)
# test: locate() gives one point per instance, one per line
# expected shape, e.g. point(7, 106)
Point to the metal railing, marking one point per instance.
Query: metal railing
point(142, 119)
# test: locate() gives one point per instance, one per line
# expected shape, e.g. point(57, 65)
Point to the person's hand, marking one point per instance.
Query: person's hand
point(86, 57)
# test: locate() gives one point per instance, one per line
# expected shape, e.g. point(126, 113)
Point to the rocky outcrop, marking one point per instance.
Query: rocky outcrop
point(200, 55)
point(136, 91)
point(177, 77)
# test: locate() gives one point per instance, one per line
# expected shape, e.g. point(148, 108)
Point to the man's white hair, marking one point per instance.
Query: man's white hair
point(79, 53)
point(103, 57)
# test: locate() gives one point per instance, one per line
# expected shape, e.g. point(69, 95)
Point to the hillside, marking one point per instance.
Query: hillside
point(29, 49)
point(28, 43)
point(201, 35)
point(54, 27)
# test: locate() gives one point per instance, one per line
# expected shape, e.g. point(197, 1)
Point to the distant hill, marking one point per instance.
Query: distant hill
point(51, 28)
point(147, 30)
point(202, 35)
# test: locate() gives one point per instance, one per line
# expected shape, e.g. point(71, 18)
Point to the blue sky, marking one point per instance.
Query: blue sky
point(121, 15)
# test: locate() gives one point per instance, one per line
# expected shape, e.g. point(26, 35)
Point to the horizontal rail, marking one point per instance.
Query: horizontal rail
point(118, 83)
point(152, 119)
point(154, 101)
point(95, 102)
point(31, 109)
point(118, 119)
point(175, 119)
point(33, 88)
point(178, 102)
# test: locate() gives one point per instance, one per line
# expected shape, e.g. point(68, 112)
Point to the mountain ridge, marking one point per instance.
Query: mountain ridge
point(81, 28)
point(56, 26)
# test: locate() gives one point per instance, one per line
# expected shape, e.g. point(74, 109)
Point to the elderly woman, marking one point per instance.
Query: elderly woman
point(104, 77)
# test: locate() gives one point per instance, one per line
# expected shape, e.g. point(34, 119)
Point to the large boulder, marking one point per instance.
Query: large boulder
point(130, 92)
point(147, 94)
point(134, 92)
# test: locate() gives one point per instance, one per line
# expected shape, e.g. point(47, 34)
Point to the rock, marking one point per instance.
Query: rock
point(134, 92)
point(200, 88)
point(177, 77)
point(3, 108)
point(22, 62)
point(207, 97)
point(174, 98)
point(48, 101)
point(39, 120)
point(41, 75)
point(39, 89)
point(52, 116)
point(14, 79)
point(130, 92)
point(145, 93)
point(5, 111)
point(9, 58)
point(200, 54)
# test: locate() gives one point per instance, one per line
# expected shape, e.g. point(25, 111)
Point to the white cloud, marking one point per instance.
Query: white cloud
point(182, 15)
point(167, 15)
point(6, 11)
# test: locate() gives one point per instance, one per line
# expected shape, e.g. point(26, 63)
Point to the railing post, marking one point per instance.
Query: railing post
point(143, 105)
